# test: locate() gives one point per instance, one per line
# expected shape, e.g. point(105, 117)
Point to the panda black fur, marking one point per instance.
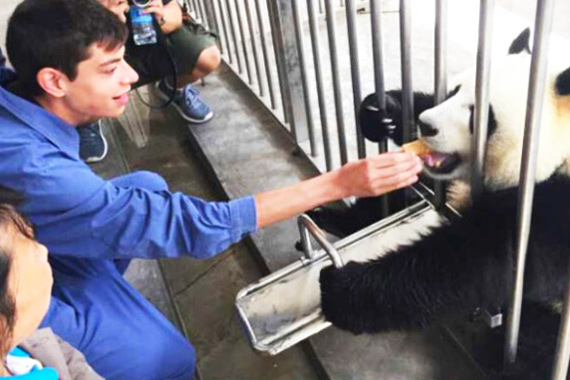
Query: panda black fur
point(468, 263)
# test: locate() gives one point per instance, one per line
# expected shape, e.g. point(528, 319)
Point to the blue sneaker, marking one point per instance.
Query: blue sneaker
point(92, 144)
point(188, 103)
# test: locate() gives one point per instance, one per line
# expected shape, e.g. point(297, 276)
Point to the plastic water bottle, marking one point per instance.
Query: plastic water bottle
point(142, 26)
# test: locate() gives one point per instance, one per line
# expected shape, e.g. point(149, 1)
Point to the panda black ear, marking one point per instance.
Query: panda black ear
point(563, 83)
point(521, 43)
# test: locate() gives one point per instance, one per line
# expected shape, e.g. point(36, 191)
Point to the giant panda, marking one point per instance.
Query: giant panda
point(467, 263)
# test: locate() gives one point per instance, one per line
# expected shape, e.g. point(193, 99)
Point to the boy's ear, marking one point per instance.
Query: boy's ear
point(52, 81)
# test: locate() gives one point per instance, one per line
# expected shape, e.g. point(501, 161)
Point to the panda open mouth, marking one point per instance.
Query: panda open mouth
point(438, 163)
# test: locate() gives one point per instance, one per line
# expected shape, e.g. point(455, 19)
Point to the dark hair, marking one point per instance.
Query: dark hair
point(10, 220)
point(58, 34)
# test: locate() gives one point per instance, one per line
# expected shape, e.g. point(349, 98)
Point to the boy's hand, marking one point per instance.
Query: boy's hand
point(379, 175)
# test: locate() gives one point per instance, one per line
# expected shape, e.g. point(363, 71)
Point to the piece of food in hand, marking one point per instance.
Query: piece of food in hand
point(416, 147)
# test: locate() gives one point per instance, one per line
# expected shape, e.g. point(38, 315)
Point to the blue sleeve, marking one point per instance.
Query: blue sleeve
point(78, 213)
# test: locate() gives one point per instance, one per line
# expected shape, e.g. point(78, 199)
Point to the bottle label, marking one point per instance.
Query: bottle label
point(142, 26)
point(137, 16)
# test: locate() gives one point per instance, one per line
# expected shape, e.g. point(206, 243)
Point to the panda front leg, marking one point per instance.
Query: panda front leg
point(452, 271)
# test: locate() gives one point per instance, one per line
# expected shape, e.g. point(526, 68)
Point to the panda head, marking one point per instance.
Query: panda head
point(448, 127)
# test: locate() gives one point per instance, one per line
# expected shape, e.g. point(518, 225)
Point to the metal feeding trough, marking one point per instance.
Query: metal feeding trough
point(282, 309)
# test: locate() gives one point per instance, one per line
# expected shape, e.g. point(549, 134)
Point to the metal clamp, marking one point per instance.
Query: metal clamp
point(308, 227)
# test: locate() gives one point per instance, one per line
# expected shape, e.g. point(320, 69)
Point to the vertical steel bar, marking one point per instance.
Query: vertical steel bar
point(355, 71)
point(251, 28)
point(279, 61)
point(209, 12)
point(314, 27)
point(233, 33)
point(406, 63)
point(202, 12)
point(225, 30)
point(536, 88)
point(283, 27)
point(214, 14)
point(560, 366)
point(265, 54)
point(440, 76)
point(376, 24)
point(331, 28)
point(321, 6)
point(195, 8)
point(481, 113)
point(304, 81)
point(244, 43)
point(440, 51)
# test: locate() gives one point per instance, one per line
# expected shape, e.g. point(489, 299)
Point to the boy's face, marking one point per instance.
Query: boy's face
point(101, 87)
point(30, 282)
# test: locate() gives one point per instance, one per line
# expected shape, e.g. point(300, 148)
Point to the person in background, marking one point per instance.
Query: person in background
point(25, 291)
point(70, 65)
point(195, 54)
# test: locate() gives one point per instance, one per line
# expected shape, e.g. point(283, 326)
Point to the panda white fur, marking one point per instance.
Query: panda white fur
point(468, 263)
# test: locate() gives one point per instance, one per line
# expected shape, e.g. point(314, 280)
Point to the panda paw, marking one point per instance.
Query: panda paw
point(344, 301)
point(379, 124)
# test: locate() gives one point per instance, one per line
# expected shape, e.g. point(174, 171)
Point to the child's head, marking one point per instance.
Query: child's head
point(25, 279)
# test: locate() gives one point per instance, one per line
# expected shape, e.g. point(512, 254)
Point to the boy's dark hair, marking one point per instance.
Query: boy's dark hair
point(58, 34)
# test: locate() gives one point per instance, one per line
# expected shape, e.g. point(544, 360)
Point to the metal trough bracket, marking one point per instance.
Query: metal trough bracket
point(308, 227)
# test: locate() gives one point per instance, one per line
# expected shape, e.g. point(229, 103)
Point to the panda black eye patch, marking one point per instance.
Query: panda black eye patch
point(491, 123)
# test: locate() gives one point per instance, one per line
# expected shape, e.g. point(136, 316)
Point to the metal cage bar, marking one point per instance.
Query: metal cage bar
point(377, 54)
point(481, 113)
point(217, 23)
point(440, 78)
point(202, 13)
point(209, 11)
point(331, 28)
point(244, 43)
point(279, 60)
point(355, 72)
point(314, 29)
point(257, 63)
point(233, 34)
point(406, 63)
point(304, 82)
point(266, 65)
point(225, 30)
point(536, 87)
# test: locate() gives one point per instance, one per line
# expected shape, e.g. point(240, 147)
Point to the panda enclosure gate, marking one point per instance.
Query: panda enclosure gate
point(287, 52)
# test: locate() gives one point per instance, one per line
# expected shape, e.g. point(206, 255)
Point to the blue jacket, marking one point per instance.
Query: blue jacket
point(78, 213)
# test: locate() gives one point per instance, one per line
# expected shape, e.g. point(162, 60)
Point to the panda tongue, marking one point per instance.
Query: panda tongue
point(434, 159)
